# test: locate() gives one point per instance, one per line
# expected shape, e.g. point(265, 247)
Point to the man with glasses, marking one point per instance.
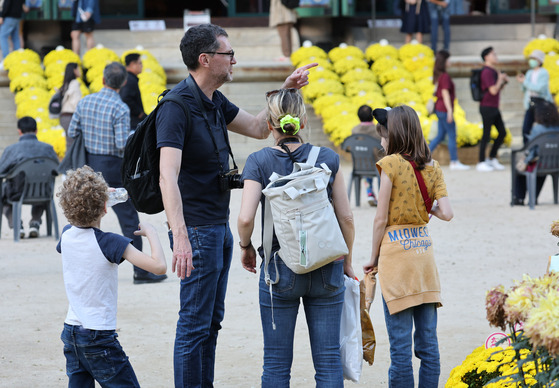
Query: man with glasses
point(194, 164)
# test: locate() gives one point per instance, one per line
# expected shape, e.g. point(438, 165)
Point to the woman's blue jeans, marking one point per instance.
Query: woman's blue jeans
point(439, 15)
point(96, 355)
point(445, 128)
point(202, 304)
point(9, 28)
point(322, 292)
point(426, 346)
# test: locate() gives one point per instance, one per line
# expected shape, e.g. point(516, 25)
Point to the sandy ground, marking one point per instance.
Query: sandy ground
point(486, 244)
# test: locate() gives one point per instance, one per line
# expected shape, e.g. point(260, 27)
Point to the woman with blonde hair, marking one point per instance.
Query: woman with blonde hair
point(321, 290)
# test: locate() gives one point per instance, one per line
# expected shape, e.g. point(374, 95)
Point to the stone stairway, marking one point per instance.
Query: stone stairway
point(257, 72)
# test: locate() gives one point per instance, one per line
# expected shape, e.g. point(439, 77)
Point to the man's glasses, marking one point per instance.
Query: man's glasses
point(230, 53)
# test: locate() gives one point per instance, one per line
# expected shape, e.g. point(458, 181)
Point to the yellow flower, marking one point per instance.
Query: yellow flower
point(32, 94)
point(394, 74)
point(418, 50)
point(26, 80)
point(322, 73)
point(339, 126)
point(403, 97)
point(25, 67)
point(328, 100)
point(541, 43)
point(97, 55)
point(399, 85)
point(345, 52)
point(359, 74)
point(384, 64)
point(321, 88)
point(542, 325)
point(144, 54)
point(378, 50)
point(413, 64)
point(425, 72)
point(362, 87)
point(344, 65)
point(61, 55)
point(305, 55)
point(17, 57)
point(374, 100)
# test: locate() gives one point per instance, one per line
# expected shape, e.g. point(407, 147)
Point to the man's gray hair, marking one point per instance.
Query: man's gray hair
point(115, 75)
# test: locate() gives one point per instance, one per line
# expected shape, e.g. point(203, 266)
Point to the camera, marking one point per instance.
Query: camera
point(230, 180)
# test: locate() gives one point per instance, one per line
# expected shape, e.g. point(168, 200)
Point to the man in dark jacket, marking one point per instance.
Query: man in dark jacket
point(27, 147)
point(130, 92)
point(12, 12)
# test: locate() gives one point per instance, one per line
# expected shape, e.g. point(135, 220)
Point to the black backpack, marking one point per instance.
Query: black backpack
point(475, 84)
point(140, 164)
point(55, 105)
point(291, 4)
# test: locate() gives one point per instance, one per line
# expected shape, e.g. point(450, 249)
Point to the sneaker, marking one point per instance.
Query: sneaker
point(484, 166)
point(456, 165)
point(372, 200)
point(34, 229)
point(2, 65)
point(143, 278)
point(496, 165)
point(21, 232)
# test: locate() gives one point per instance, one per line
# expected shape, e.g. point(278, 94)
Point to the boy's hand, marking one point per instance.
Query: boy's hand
point(144, 229)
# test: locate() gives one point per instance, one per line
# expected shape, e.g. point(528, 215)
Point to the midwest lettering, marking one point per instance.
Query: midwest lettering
point(407, 233)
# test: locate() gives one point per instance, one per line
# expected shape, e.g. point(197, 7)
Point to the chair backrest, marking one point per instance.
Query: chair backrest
point(362, 148)
point(548, 152)
point(38, 176)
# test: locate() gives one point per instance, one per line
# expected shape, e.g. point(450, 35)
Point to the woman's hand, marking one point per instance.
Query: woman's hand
point(372, 264)
point(348, 270)
point(248, 259)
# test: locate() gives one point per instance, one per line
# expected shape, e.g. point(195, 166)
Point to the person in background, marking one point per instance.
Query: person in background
point(409, 279)
point(90, 260)
point(535, 85)
point(415, 19)
point(27, 147)
point(10, 16)
point(439, 12)
point(284, 20)
point(546, 119)
point(444, 109)
point(321, 291)
point(130, 92)
point(71, 95)
point(367, 127)
point(492, 82)
point(85, 15)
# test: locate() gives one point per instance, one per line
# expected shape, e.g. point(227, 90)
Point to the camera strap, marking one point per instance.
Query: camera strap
point(194, 89)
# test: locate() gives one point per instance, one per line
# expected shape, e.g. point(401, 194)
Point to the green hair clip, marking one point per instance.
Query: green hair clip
point(288, 119)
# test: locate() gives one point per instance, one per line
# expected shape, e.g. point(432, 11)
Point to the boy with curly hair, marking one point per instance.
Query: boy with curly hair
point(90, 259)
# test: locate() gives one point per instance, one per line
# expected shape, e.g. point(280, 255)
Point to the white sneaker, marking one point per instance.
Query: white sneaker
point(496, 165)
point(456, 165)
point(34, 229)
point(484, 166)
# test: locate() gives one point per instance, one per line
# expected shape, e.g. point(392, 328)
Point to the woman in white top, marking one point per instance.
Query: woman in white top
point(71, 94)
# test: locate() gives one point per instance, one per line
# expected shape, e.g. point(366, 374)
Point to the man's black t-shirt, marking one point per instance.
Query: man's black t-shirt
point(203, 202)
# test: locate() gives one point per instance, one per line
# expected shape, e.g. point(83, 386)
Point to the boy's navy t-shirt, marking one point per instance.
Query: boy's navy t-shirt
point(203, 202)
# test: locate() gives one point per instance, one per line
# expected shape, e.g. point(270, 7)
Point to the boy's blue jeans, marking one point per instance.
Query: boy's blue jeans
point(426, 346)
point(96, 355)
point(202, 304)
point(322, 291)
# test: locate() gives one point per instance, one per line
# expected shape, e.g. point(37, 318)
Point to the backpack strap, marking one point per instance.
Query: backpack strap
point(313, 155)
point(422, 187)
point(268, 234)
point(166, 96)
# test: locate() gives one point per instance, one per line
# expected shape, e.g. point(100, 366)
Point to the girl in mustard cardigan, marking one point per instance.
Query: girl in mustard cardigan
point(402, 245)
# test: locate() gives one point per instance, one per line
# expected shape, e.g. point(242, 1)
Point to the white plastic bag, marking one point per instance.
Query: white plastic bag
point(351, 346)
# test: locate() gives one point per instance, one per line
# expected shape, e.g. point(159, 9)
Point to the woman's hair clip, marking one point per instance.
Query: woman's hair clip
point(288, 119)
point(381, 115)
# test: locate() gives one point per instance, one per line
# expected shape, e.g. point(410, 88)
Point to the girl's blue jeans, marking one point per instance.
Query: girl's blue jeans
point(426, 346)
point(322, 293)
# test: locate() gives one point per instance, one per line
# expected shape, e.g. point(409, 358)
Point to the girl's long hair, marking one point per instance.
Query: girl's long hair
point(405, 136)
point(440, 65)
point(69, 75)
point(284, 102)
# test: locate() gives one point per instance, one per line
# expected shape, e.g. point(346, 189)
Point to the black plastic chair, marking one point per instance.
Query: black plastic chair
point(38, 176)
point(362, 148)
point(547, 164)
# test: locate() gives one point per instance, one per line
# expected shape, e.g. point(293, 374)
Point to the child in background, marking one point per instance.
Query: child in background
point(402, 246)
point(90, 259)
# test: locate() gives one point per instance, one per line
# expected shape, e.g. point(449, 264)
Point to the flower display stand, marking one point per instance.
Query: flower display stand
point(466, 155)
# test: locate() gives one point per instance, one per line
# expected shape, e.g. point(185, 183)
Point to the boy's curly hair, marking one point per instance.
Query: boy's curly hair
point(82, 196)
